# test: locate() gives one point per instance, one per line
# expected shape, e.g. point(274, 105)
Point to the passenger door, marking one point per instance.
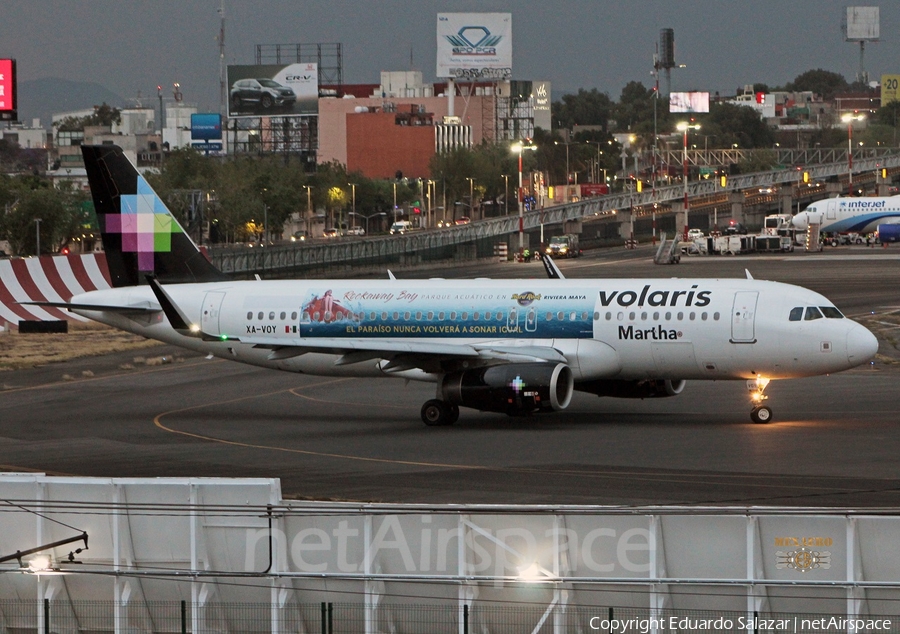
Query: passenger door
point(743, 317)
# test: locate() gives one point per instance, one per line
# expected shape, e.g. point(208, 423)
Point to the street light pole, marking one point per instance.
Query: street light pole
point(37, 233)
point(505, 194)
point(684, 126)
point(353, 201)
point(471, 196)
point(309, 214)
point(520, 149)
point(849, 119)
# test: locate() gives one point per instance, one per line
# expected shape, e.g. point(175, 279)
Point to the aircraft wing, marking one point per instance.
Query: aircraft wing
point(427, 356)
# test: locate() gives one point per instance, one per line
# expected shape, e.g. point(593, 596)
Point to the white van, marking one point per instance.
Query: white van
point(401, 226)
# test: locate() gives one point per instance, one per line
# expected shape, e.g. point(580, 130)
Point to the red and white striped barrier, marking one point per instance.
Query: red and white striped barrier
point(50, 278)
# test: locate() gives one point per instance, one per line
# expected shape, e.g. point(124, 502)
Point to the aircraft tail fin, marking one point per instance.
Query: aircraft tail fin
point(140, 235)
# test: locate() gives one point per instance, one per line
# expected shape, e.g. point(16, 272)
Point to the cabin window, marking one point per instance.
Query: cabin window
point(620, 316)
point(476, 315)
point(316, 316)
point(632, 316)
point(680, 316)
point(608, 316)
point(465, 316)
point(584, 316)
point(294, 316)
point(549, 316)
point(560, 316)
point(396, 315)
point(716, 316)
point(327, 315)
point(796, 314)
point(272, 315)
point(305, 316)
point(703, 316)
point(668, 316)
point(656, 315)
point(384, 316)
point(831, 312)
point(418, 315)
point(643, 316)
point(441, 316)
point(406, 316)
point(453, 315)
point(692, 315)
point(283, 315)
point(259, 315)
point(249, 315)
point(812, 313)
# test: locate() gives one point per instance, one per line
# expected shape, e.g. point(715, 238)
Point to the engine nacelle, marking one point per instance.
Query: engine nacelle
point(656, 388)
point(518, 388)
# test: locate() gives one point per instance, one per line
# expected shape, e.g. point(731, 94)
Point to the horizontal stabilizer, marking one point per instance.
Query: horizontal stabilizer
point(144, 308)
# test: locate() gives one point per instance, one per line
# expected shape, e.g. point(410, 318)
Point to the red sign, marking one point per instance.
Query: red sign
point(593, 189)
point(8, 88)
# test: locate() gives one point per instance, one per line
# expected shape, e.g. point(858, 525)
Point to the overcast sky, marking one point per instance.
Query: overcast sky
point(130, 46)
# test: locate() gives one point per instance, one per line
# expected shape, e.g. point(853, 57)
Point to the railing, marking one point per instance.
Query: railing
point(98, 617)
point(443, 243)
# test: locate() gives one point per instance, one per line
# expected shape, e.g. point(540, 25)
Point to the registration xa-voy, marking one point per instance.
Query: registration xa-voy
point(511, 346)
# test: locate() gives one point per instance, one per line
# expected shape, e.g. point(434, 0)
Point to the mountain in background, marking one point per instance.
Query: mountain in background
point(42, 98)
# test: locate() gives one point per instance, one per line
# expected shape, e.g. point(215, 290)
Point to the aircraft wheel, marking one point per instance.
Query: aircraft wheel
point(761, 415)
point(436, 413)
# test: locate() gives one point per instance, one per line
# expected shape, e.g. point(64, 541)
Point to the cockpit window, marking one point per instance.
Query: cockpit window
point(796, 313)
point(831, 312)
point(812, 313)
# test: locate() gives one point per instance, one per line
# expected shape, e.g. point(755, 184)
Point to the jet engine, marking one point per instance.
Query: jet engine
point(655, 388)
point(514, 389)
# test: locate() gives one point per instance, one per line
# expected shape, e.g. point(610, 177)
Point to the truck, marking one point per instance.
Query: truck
point(563, 246)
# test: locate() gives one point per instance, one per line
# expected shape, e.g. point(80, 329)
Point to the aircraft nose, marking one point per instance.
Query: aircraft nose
point(800, 221)
point(861, 345)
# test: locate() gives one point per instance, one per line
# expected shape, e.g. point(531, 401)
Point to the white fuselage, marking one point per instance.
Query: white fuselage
point(617, 329)
point(845, 215)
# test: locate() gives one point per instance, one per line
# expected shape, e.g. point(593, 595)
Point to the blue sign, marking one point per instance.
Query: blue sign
point(206, 127)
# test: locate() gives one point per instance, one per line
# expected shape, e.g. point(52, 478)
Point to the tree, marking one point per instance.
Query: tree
point(60, 213)
point(584, 108)
point(820, 82)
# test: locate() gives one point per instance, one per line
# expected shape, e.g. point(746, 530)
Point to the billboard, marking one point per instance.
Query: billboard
point(689, 102)
point(889, 89)
point(474, 45)
point(273, 90)
point(862, 24)
point(542, 116)
point(206, 127)
point(8, 91)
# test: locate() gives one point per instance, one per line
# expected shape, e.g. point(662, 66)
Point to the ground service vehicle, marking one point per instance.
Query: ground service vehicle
point(563, 246)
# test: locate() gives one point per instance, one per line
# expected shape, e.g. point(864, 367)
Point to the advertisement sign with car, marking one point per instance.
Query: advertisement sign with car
point(273, 90)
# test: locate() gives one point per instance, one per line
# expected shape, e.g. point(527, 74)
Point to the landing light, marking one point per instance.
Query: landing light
point(195, 328)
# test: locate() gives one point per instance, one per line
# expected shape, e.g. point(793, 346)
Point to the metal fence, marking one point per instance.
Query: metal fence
point(37, 617)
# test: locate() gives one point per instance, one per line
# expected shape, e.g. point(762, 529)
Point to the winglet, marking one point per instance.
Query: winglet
point(553, 271)
point(747, 271)
point(179, 322)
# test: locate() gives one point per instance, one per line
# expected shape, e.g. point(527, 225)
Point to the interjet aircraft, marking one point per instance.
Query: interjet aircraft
point(849, 214)
point(516, 347)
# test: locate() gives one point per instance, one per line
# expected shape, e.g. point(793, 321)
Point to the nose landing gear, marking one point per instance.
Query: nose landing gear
point(760, 414)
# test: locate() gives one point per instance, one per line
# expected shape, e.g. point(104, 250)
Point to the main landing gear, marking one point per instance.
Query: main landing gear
point(437, 413)
point(761, 414)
